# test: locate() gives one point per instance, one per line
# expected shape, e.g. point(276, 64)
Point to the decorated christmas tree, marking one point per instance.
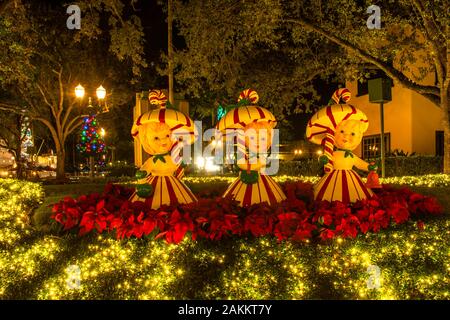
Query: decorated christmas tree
point(91, 143)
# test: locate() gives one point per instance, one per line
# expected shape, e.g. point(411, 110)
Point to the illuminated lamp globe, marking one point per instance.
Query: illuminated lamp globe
point(79, 91)
point(101, 93)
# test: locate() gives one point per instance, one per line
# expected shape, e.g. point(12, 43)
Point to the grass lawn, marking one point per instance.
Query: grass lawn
point(38, 262)
point(54, 193)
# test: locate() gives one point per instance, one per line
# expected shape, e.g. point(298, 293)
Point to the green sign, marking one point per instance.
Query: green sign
point(221, 111)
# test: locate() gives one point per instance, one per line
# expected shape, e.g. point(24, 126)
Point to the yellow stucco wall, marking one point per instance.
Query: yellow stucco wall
point(397, 116)
point(411, 119)
point(426, 116)
point(426, 119)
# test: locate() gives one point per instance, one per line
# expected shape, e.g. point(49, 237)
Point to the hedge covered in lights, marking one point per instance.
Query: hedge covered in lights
point(413, 265)
point(429, 180)
point(395, 165)
point(17, 198)
point(413, 262)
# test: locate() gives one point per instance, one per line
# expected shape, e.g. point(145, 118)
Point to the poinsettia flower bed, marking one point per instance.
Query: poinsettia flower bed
point(297, 218)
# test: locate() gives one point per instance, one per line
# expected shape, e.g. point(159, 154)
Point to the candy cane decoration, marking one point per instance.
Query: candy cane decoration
point(157, 97)
point(343, 94)
point(250, 95)
point(241, 149)
point(328, 142)
point(175, 153)
point(328, 146)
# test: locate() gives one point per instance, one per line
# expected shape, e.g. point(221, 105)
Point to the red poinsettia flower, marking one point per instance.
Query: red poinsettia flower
point(432, 206)
point(87, 223)
point(94, 219)
point(399, 213)
point(304, 231)
point(379, 220)
point(327, 234)
point(364, 227)
point(149, 225)
point(348, 227)
point(363, 214)
point(421, 205)
point(287, 225)
point(324, 218)
point(179, 225)
point(259, 220)
point(296, 218)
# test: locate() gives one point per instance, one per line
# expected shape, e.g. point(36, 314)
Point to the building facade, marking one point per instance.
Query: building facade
point(412, 123)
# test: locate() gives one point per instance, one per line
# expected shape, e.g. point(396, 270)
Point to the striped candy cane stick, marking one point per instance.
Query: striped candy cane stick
point(175, 153)
point(250, 95)
point(241, 149)
point(157, 97)
point(328, 145)
point(341, 94)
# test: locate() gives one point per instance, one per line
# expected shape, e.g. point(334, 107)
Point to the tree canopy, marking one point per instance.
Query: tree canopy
point(44, 61)
point(279, 46)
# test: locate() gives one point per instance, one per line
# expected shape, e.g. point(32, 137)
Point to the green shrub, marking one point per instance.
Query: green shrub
point(413, 165)
point(395, 166)
point(303, 167)
point(17, 200)
point(122, 170)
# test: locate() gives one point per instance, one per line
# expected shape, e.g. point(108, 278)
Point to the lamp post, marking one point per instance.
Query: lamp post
point(380, 92)
point(101, 95)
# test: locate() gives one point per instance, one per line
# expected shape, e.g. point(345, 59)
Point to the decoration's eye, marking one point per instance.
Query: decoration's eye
point(156, 138)
point(353, 133)
point(342, 131)
point(167, 136)
point(252, 138)
point(263, 139)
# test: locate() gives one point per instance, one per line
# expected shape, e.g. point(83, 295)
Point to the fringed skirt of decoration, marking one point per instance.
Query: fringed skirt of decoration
point(265, 189)
point(341, 185)
point(167, 190)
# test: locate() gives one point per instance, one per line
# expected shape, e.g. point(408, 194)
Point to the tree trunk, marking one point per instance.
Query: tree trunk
point(446, 123)
point(91, 167)
point(60, 165)
point(19, 164)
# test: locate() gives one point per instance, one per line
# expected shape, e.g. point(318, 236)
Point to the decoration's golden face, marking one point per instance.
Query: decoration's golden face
point(258, 137)
point(348, 135)
point(156, 138)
